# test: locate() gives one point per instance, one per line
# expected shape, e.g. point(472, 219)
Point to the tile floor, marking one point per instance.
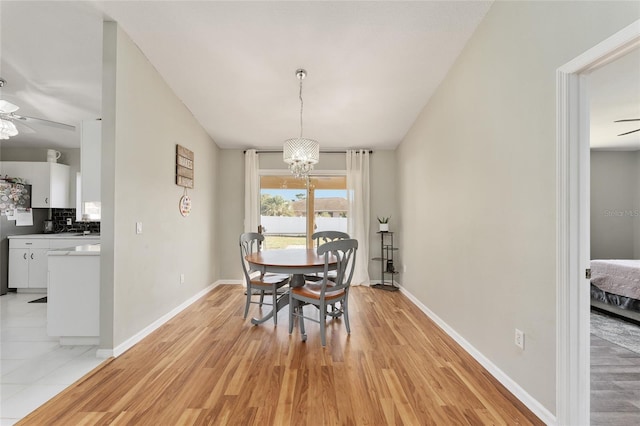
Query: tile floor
point(33, 366)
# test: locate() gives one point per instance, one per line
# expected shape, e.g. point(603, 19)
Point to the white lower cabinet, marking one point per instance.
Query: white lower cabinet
point(73, 306)
point(28, 263)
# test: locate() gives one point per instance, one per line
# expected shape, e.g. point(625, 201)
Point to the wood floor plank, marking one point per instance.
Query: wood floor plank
point(208, 365)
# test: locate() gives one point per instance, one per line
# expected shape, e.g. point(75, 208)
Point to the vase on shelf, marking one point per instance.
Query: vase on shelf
point(384, 227)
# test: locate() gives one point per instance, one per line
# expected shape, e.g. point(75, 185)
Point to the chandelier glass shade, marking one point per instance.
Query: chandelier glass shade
point(301, 154)
point(7, 129)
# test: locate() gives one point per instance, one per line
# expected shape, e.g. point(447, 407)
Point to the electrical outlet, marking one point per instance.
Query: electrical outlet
point(181, 278)
point(69, 221)
point(519, 341)
point(404, 268)
point(138, 227)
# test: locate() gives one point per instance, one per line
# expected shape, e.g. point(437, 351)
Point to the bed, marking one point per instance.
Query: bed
point(615, 287)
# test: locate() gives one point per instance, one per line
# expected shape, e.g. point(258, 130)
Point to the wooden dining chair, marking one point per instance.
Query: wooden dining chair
point(322, 237)
point(259, 284)
point(326, 292)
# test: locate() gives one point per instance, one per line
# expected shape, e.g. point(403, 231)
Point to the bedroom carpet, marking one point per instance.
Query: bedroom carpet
point(616, 331)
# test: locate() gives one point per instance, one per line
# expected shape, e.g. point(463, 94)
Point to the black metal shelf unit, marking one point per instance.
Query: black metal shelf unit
point(387, 267)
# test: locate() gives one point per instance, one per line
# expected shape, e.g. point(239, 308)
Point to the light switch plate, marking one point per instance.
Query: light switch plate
point(138, 227)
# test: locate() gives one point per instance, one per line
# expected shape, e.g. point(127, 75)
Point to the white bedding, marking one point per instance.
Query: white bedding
point(621, 277)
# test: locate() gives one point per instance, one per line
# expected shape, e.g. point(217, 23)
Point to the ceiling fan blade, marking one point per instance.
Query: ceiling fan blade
point(633, 131)
point(627, 119)
point(7, 107)
point(36, 121)
point(22, 126)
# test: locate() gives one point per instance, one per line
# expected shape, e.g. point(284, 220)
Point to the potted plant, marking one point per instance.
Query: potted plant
point(384, 223)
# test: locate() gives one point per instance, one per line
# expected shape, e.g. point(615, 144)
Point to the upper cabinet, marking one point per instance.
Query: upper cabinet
point(49, 181)
point(91, 137)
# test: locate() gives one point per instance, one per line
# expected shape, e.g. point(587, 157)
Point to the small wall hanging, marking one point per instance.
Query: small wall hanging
point(184, 177)
point(185, 204)
point(184, 167)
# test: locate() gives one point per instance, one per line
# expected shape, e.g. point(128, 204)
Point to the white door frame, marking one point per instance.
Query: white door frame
point(572, 233)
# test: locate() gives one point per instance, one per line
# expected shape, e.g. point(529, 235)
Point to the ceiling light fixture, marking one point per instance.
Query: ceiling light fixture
point(300, 153)
point(7, 129)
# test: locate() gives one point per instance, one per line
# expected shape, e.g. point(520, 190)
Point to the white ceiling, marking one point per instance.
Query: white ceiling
point(372, 66)
point(50, 56)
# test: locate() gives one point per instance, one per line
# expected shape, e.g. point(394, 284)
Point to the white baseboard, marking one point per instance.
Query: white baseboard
point(538, 409)
point(234, 282)
point(130, 342)
point(374, 282)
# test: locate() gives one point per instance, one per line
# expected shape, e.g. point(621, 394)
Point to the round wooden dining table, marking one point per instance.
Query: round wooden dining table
point(295, 262)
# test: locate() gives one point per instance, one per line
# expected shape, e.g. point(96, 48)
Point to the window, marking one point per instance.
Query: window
point(285, 202)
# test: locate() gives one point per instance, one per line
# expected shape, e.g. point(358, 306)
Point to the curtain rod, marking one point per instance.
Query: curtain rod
point(279, 151)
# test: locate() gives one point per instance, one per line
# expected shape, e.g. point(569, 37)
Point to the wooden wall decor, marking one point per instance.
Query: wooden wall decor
point(184, 167)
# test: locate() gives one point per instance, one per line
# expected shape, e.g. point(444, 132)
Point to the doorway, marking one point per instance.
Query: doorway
point(573, 236)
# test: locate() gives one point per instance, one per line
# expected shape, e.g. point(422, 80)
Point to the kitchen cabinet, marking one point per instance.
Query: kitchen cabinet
point(28, 263)
point(28, 257)
point(49, 181)
point(90, 155)
point(73, 305)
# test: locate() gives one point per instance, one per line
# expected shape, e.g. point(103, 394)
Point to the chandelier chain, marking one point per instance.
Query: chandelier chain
point(301, 107)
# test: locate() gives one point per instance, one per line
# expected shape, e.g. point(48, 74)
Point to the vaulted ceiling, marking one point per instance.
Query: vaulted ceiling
point(372, 66)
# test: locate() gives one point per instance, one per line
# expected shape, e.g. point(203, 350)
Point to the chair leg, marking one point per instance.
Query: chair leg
point(275, 305)
point(246, 306)
point(345, 312)
point(301, 316)
point(291, 309)
point(323, 324)
point(261, 297)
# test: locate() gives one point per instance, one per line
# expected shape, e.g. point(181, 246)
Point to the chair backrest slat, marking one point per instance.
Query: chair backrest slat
point(249, 243)
point(323, 237)
point(344, 252)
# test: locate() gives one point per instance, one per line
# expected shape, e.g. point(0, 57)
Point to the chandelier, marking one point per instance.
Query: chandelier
point(301, 153)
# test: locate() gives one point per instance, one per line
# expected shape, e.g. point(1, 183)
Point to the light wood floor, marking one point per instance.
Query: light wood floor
point(209, 366)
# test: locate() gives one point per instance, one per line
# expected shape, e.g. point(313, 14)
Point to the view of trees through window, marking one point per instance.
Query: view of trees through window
point(285, 201)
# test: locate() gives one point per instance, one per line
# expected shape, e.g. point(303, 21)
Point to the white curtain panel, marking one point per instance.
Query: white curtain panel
point(358, 220)
point(251, 191)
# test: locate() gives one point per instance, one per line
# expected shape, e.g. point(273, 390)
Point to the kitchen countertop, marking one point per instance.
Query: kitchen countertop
point(61, 235)
point(85, 250)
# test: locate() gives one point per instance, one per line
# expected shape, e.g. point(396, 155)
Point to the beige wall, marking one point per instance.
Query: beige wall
point(614, 201)
point(142, 123)
point(231, 225)
point(231, 212)
point(476, 177)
